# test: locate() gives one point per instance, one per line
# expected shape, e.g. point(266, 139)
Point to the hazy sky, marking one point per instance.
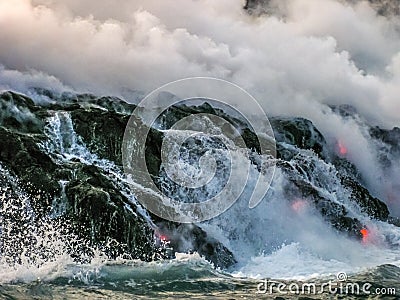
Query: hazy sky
point(320, 52)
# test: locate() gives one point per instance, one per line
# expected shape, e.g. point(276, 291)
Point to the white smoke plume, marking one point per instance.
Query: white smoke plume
point(322, 51)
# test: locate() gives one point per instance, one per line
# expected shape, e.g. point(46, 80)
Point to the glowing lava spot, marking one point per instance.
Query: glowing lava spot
point(342, 148)
point(299, 205)
point(365, 234)
point(163, 238)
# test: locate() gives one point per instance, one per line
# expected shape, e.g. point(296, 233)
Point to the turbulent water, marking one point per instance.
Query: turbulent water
point(188, 276)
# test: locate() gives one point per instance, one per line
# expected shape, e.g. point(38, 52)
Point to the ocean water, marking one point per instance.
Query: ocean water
point(187, 276)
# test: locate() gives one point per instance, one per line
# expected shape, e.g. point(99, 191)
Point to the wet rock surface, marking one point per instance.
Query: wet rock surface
point(101, 211)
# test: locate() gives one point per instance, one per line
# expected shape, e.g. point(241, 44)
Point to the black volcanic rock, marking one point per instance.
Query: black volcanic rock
point(18, 112)
point(101, 213)
point(190, 238)
point(372, 206)
point(389, 142)
point(344, 110)
point(99, 208)
point(21, 154)
point(334, 213)
point(102, 131)
point(96, 208)
point(260, 5)
point(298, 132)
point(295, 134)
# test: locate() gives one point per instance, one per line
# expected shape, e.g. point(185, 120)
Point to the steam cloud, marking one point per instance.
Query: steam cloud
point(308, 54)
point(323, 51)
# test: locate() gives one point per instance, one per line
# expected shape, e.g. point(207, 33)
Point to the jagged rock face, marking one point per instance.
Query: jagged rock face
point(389, 144)
point(254, 4)
point(300, 133)
point(293, 134)
point(95, 206)
point(18, 113)
point(389, 137)
point(100, 210)
point(104, 136)
point(20, 152)
point(188, 238)
point(369, 204)
point(97, 210)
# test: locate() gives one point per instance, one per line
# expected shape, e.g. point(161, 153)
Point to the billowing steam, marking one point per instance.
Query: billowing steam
point(319, 52)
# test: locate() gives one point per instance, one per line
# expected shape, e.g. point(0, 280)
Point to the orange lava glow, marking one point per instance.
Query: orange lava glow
point(342, 148)
point(365, 234)
point(299, 205)
point(163, 238)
